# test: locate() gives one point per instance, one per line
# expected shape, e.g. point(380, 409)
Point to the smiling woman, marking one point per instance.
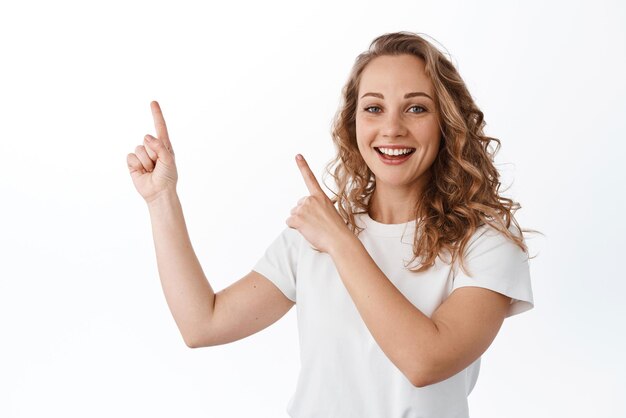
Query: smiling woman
point(415, 181)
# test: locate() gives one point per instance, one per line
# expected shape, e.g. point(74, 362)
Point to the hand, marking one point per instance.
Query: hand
point(315, 216)
point(152, 166)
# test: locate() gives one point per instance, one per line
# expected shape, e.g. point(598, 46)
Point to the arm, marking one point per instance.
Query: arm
point(249, 305)
point(203, 317)
point(188, 293)
point(426, 350)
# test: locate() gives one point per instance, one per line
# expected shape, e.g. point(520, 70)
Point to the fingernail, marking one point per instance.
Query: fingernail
point(299, 157)
point(148, 138)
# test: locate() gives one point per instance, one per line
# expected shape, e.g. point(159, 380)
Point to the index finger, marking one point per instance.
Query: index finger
point(159, 123)
point(309, 178)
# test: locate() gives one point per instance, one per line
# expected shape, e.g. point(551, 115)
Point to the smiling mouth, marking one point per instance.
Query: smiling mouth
point(412, 150)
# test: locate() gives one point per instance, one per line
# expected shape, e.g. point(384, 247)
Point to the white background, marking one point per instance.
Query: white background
point(244, 86)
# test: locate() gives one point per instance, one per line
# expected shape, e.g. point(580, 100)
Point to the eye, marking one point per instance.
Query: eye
point(417, 107)
point(367, 109)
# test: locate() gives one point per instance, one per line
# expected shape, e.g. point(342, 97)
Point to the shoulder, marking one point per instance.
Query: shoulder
point(290, 237)
point(286, 243)
point(495, 262)
point(488, 238)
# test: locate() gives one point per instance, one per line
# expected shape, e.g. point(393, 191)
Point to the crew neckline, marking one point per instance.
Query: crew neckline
point(387, 230)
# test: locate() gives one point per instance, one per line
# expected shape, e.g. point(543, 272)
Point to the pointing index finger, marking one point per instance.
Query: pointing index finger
point(309, 178)
point(159, 124)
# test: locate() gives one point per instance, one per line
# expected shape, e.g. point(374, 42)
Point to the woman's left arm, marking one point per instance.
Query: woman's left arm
point(426, 350)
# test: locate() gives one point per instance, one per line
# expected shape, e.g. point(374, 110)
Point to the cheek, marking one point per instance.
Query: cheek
point(434, 150)
point(363, 131)
point(427, 133)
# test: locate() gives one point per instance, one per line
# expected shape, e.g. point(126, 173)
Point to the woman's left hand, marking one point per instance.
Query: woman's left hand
point(315, 216)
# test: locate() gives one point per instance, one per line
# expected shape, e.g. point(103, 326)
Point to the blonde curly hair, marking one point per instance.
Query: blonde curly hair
point(462, 194)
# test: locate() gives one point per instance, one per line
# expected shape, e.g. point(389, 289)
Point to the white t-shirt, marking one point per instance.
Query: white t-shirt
point(344, 373)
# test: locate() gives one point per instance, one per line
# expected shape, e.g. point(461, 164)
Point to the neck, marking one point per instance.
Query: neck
point(388, 207)
point(396, 205)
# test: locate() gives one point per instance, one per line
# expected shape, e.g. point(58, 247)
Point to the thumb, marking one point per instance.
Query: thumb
point(162, 153)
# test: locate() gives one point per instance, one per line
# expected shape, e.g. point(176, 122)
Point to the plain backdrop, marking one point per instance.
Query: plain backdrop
point(244, 87)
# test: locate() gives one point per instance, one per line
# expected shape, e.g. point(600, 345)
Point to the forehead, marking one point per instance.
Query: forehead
point(401, 73)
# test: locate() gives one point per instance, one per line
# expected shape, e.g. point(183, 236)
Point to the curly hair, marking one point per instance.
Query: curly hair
point(462, 193)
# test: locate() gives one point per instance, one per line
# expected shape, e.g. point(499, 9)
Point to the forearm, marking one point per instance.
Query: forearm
point(405, 334)
point(188, 293)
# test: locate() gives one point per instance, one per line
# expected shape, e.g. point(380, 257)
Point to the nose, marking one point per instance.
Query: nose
point(393, 125)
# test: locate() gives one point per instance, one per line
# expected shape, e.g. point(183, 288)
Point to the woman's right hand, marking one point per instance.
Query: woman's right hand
point(152, 166)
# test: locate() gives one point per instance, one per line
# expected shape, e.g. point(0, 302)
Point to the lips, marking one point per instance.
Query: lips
point(396, 147)
point(394, 160)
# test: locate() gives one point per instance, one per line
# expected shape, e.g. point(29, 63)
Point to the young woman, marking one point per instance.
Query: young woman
point(402, 280)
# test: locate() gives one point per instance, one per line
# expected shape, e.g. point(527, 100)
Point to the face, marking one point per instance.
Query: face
point(396, 112)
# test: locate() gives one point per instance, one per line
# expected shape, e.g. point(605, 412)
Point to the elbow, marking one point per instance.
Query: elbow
point(426, 376)
point(191, 343)
point(420, 377)
point(196, 337)
point(195, 342)
point(421, 380)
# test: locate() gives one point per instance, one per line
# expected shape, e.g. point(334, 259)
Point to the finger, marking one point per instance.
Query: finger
point(142, 155)
point(309, 178)
point(159, 124)
point(291, 222)
point(134, 165)
point(151, 153)
point(296, 210)
point(163, 154)
point(302, 199)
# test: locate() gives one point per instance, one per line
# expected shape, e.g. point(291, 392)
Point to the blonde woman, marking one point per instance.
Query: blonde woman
point(402, 279)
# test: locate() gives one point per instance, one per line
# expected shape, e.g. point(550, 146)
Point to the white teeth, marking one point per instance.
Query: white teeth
point(390, 151)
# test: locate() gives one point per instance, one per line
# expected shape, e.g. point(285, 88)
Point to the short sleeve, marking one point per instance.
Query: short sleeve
point(280, 260)
point(497, 263)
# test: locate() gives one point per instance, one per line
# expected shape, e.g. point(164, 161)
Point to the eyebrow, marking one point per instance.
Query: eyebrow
point(406, 96)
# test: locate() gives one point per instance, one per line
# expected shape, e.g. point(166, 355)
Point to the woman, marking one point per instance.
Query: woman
point(416, 184)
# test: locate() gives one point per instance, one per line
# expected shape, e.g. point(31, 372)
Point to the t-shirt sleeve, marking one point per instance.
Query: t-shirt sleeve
point(280, 260)
point(497, 263)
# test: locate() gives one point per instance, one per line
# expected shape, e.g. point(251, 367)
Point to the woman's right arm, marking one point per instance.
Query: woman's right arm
point(203, 317)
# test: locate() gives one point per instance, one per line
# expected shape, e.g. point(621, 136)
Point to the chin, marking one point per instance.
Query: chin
point(393, 182)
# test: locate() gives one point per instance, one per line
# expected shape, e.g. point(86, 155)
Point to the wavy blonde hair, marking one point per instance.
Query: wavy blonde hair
point(462, 193)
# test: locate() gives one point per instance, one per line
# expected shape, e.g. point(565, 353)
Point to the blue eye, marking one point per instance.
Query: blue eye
point(371, 107)
point(419, 107)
